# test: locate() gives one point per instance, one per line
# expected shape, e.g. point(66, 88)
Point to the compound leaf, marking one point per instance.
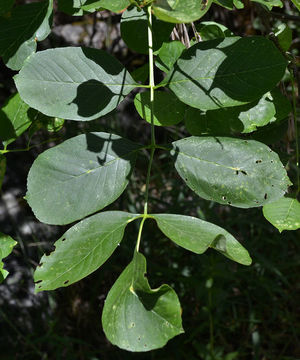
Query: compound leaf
point(226, 72)
point(81, 250)
point(137, 318)
point(6, 246)
point(231, 171)
point(80, 176)
point(73, 83)
point(180, 11)
point(197, 235)
point(284, 214)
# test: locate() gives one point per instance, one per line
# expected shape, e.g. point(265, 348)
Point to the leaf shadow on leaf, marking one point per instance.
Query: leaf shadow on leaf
point(150, 299)
point(7, 130)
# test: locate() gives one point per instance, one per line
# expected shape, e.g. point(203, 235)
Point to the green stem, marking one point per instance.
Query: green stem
point(5, 150)
point(296, 130)
point(153, 145)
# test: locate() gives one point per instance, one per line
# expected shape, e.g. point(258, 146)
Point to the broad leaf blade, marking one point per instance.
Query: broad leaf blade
point(231, 171)
point(14, 119)
point(20, 31)
point(81, 250)
point(134, 30)
point(79, 84)
point(137, 318)
point(197, 235)
point(167, 109)
point(168, 54)
point(79, 177)
point(242, 70)
point(6, 247)
point(284, 214)
point(180, 11)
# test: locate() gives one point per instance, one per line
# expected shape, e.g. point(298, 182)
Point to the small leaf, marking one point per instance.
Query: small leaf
point(284, 214)
point(141, 74)
point(115, 5)
point(14, 119)
point(272, 107)
point(231, 171)
point(20, 31)
point(6, 247)
point(270, 3)
point(79, 177)
point(229, 72)
point(168, 54)
point(167, 109)
point(284, 36)
point(137, 318)
point(2, 168)
point(228, 4)
point(81, 250)
point(134, 30)
point(180, 11)
point(79, 84)
point(197, 235)
point(210, 30)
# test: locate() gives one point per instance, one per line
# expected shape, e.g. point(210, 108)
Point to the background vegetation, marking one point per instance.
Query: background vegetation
point(229, 311)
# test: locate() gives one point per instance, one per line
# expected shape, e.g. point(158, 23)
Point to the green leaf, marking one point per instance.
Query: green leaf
point(79, 84)
point(134, 30)
point(115, 5)
point(272, 107)
point(228, 72)
point(80, 176)
point(231, 171)
point(284, 214)
point(81, 250)
point(20, 31)
point(79, 7)
point(270, 3)
point(296, 3)
point(210, 30)
point(14, 119)
point(5, 6)
point(238, 4)
point(137, 318)
point(167, 109)
point(180, 11)
point(141, 74)
point(2, 168)
point(168, 54)
point(284, 36)
point(197, 235)
point(6, 247)
point(228, 4)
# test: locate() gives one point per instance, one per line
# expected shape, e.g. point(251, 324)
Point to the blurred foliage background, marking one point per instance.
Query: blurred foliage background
point(229, 311)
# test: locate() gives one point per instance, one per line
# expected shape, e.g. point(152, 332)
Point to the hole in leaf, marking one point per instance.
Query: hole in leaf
point(229, 202)
point(272, 161)
point(244, 172)
point(236, 172)
point(145, 345)
point(40, 264)
point(133, 324)
point(139, 338)
point(265, 197)
point(37, 282)
point(272, 185)
point(40, 286)
point(63, 239)
point(65, 282)
point(224, 198)
point(258, 161)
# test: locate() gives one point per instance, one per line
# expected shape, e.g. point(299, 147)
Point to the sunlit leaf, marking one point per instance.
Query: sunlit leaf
point(6, 247)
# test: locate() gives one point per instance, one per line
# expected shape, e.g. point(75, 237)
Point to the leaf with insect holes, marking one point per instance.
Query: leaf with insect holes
point(137, 318)
point(226, 72)
point(197, 235)
point(230, 171)
point(79, 84)
point(6, 247)
point(79, 177)
point(81, 250)
point(284, 214)
point(180, 11)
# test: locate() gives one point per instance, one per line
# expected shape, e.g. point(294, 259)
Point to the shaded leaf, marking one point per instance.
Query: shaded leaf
point(137, 318)
point(6, 247)
point(210, 30)
point(228, 4)
point(284, 36)
point(180, 11)
point(228, 72)
point(14, 119)
point(79, 84)
point(79, 177)
point(81, 250)
point(231, 171)
point(167, 109)
point(141, 74)
point(5, 6)
point(20, 31)
point(134, 30)
point(168, 54)
point(270, 3)
point(197, 235)
point(284, 214)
